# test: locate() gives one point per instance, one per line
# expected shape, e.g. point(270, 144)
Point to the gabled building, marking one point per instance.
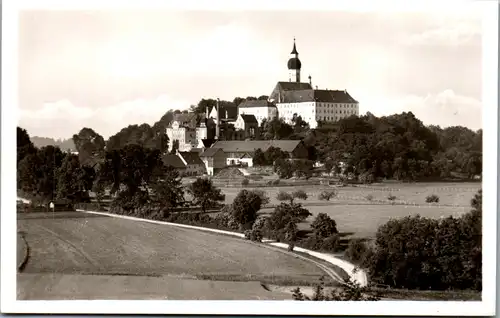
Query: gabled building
point(238, 152)
point(214, 160)
point(261, 109)
point(315, 105)
point(295, 98)
point(175, 162)
point(189, 130)
point(194, 165)
point(246, 126)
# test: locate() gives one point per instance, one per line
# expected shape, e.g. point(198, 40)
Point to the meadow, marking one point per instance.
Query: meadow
point(77, 243)
point(359, 210)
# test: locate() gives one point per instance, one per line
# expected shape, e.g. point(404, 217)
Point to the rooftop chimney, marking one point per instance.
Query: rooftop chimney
point(310, 80)
point(316, 86)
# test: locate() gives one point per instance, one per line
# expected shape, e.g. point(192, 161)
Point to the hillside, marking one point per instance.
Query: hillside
point(64, 144)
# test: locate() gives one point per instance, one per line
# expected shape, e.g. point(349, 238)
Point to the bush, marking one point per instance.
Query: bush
point(369, 197)
point(323, 226)
point(276, 182)
point(245, 182)
point(357, 251)
point(256, 233)
point(312, 242)
point(391, 197)
point(349, 291)
point(300, 194)
point(331, 243)
point(284, 196)
point(422, 253)
point(327, 195)
point(263, 196)
point(245, 207)
point(432, 198)
point(226, 219)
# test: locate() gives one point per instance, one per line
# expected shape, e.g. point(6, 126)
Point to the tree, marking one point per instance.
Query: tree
point(327, 195)
point(24, 144)
point(89, 144)
point(204, 193)
point(37, 173)
point(259, 158)
point(283, 168)
point(323, 226)
point(276, 128)
point(422, 253)
point(245, 207)
point(168, 190)
point(142, 135)
point(278, 223)
point(73, 180)
point(285, 196)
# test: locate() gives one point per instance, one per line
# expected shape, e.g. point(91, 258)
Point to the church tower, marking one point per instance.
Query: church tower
point(294, 65)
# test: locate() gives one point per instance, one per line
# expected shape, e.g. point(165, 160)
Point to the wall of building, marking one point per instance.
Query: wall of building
point(305, 110)
point(335, 111)
point(260, 113)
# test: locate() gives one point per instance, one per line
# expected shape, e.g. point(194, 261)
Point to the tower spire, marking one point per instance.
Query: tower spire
point(294, 51)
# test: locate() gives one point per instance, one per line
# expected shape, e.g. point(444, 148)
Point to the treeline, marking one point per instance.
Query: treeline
point(422, 253)
point(397, 147)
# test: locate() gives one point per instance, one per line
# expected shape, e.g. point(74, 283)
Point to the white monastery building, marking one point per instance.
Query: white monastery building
point(295, 98)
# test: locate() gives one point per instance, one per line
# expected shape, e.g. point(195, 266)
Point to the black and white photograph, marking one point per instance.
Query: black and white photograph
point(257, 158)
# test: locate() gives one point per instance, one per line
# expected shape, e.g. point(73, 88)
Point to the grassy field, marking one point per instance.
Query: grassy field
point(357, 215)
point(450, 194)
point(77, 243)
point(106, 287)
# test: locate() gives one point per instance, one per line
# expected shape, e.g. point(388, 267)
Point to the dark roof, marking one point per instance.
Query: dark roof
point(208, 142)
point(174, 161)
point(256, 103)
point(251, 145)
point(210, 152)
point(294, 64)
point(249, 118)
point(197, 150)
point(192, 158)
point(293, 86)
point(317, 95)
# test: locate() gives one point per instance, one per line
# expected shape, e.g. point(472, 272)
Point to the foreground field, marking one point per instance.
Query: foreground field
point(54, 287)
point(77, 243)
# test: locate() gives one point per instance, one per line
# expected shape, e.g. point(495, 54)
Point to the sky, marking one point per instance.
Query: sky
point(109, 69)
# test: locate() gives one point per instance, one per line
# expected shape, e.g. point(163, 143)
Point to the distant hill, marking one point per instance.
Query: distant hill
point(64, 144)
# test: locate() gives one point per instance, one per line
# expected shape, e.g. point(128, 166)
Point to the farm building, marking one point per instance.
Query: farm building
point(194, 165)
point(214, 159)
point(176, 162)
point(241, 152)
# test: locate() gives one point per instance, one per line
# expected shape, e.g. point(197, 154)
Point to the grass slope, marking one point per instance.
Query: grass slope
point(83, 287)
point(109, 246)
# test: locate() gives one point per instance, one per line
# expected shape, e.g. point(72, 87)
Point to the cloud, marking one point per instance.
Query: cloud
point(62, 119)
point(449, 33)
point(445, 108)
